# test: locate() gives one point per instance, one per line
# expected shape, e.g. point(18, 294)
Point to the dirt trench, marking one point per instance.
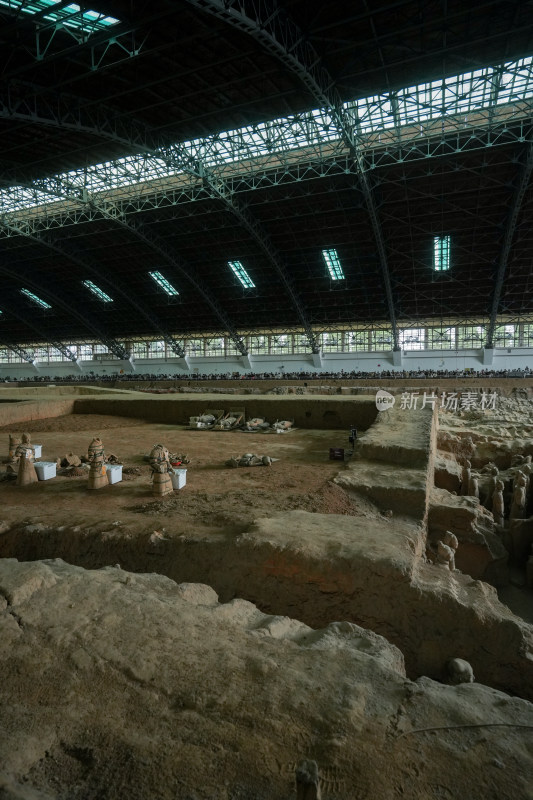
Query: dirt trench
point(428, 622)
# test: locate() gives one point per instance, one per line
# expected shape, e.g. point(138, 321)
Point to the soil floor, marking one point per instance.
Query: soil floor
point(216, 498)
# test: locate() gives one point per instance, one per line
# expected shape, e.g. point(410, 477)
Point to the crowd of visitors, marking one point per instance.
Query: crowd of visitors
point(91, 377)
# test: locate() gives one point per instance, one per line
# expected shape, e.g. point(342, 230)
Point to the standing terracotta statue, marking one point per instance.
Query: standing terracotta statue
point(518, 505)
point(26, 472)
point(473, 486)
point(494, 472)
point(97, 469)
point(498, 506)
point(161, 469)
point(465, 477)
point(527, 469)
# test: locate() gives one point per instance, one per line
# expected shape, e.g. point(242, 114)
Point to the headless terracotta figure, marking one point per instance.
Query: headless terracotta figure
point(492, 487)
point(465, 477)
point(26, 472)
point(161, 469)
point(518, 506)
point(498, 506)
point(97, 470)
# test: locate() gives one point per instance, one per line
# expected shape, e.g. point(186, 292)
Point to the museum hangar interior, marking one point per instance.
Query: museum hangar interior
point(266, 327)
point(243, 186)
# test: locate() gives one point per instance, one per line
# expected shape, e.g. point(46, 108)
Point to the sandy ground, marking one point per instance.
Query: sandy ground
point(118, 684)
point(216, 498)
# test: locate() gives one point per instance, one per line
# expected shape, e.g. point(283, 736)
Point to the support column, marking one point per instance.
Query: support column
point(317, 360)
point(488, 356)
point(184, 363)
point(397, 357)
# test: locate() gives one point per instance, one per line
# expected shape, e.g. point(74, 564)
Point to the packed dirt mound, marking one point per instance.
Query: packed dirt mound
point(117, 685)
point(243, 506)
point(75, 422)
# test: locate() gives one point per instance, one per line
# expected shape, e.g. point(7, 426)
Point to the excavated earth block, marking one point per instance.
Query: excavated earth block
point(326, 641)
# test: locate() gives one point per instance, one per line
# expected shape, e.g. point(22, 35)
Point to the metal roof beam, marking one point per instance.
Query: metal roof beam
point(250, 224)
point(508, 236)
point(115, 347)
point(60, 346)
point(176, 157)
point(268, 24)
point(61, 188)
point(68, 251)
point(142, 232)
point(20, 351)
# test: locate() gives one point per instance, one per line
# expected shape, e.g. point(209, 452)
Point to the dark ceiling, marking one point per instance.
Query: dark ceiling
point(176, 72)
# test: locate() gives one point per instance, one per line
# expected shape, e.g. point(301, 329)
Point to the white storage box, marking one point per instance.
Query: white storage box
point(37, 450)
point(45, 470)
point(179, 478)
point(114, 473)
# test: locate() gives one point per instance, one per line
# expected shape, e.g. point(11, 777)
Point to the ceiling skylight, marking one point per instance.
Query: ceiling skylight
point(164, 284)
point(99, 293)
point(35, 299)
point(70, 16)
point(471, 100)
point(333, 264)
point(238, 270)
point(441, 253)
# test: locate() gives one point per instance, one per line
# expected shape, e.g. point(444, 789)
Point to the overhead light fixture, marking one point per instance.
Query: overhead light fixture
point(238, 270)
point(99, 293)
point(35, 299)
point(70, 16)
point(333, 264)
point(441, 253)
point(164, 284)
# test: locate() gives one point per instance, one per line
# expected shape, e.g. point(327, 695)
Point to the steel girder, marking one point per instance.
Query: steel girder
point(66, 249)
point(64, 190)
point(38, 105)
point(255, 230)
point(182, 189)
point(115, 347)
point(20, 351)
point(142, 232)
point(60, 346)
point(279, 34)
point(176, 157)
point(508, 236)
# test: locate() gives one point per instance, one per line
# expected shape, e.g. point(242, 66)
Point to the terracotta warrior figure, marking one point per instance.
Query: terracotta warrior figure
point(527, 469)
point(161, 469)
point(498, 506)
point(473, 486)
point(26, 471)
point(493, 472)
point(14, 442)
point(518, 505)
point(465, 477)
point(97, 469)
point(24, 449)
point(451, 540)
point(445, 555)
